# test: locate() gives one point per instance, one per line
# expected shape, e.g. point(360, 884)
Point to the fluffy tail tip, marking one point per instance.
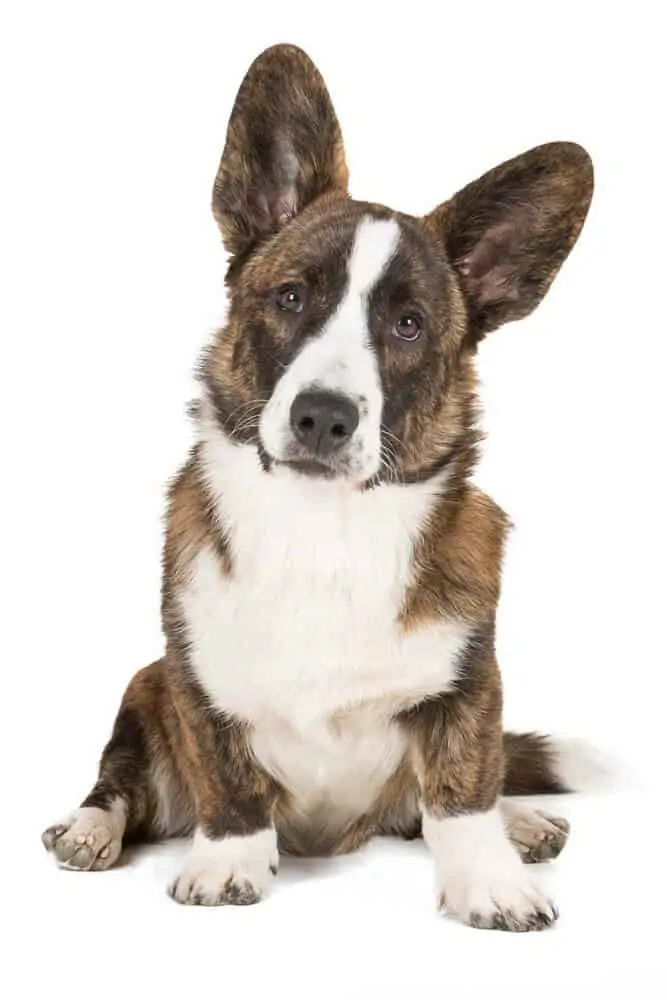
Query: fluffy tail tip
point(581, 767)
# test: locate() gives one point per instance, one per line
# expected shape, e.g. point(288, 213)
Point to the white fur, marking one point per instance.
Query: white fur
point(582, 767)
point(215, 869)
point(480, 876)
point(302, 638)
point(334, 770)
point(341, 359)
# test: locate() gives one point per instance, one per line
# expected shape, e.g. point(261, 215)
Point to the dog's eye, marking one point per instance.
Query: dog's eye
point(291, 298)
point(408, 328)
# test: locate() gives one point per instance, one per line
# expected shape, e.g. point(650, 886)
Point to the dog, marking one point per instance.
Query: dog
point(330, 572)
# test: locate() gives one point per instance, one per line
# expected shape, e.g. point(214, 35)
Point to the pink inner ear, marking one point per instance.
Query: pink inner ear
point(486, 269)
point(287, 172)
point(274, 211)
point(278, 201)
point(286, 205)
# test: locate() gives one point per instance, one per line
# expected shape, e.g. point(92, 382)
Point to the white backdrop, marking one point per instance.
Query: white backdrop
point(113, 119)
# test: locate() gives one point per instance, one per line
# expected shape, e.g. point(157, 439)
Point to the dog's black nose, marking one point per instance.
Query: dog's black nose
point(323, 421)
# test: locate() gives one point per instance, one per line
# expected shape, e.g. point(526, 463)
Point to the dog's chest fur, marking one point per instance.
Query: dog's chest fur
point(301, 639)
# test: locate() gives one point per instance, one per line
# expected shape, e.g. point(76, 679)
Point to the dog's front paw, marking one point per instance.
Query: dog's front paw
point(498, 902)
point(234, 870)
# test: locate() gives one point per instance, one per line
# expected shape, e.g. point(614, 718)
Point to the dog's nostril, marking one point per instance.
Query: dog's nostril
point(307, 424)
point(338, 430)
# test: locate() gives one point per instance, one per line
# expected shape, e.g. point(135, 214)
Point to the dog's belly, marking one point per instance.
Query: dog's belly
point(333, 772)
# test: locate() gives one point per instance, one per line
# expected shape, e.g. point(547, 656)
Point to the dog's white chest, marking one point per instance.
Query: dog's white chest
point(302, 639)
point(304, 648)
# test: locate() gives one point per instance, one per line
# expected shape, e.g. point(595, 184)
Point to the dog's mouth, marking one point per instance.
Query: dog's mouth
point(309, 467)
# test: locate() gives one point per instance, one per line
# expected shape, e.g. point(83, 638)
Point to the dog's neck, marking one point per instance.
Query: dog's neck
point(294, 521)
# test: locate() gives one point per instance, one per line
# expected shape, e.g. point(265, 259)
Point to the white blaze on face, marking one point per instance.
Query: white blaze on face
point(341, 358)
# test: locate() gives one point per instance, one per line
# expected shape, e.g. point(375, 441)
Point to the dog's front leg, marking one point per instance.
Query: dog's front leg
point(234, 852)
point(456, 748)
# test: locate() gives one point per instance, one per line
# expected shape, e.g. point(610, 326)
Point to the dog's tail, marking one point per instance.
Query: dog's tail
point(543, 765)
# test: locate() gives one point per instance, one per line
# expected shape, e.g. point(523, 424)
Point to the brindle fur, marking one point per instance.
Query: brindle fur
point(483, 258)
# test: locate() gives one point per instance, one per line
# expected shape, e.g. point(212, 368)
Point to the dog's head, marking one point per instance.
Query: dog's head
point(347, 353)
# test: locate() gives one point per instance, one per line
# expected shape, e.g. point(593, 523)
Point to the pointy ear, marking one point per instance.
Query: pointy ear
point(508, 233)
point(284, 149)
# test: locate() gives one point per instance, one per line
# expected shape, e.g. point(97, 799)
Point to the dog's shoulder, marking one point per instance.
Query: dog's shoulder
point(458, 560)
point(190, 522)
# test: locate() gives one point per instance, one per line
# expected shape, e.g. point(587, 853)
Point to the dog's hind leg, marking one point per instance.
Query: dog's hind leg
point(137, 795)
point(536, 835)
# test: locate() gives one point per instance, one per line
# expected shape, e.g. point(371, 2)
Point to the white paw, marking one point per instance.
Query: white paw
point(90, 839)
point(498, 902)
point(480, 877)
point(229, 871)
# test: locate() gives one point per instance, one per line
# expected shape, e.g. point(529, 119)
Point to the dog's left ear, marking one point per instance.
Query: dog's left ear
point(508, 233)
point(284, 149)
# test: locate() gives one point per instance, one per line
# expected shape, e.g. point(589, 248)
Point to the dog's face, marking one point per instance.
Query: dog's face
point(348, 350)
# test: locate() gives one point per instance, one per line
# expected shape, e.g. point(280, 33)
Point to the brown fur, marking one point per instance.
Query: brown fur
point(509, 232)
point(190, 523)
point(456, 740)
point(530, 766)
point(257, 189)
point(458, 561)
point(483, 258)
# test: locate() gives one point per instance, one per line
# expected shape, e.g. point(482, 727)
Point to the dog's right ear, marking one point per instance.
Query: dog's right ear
point(284, 148)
